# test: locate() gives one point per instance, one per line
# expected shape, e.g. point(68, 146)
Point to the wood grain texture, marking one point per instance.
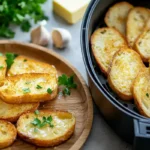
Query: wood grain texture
point(79, 102)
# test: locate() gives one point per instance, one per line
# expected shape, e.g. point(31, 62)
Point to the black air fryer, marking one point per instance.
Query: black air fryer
point(122, 116)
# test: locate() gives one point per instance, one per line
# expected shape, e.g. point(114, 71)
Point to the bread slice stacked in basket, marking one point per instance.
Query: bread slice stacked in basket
point(121, 49)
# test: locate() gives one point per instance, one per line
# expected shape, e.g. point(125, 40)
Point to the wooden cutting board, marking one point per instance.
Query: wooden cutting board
point(79, 102)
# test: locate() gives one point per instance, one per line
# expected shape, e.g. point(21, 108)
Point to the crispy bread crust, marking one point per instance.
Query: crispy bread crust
point(112, 84)
point(136, 24)
point(144, 73)
point(28, 97)
point(3, 68)
point(23, 64)
point(45, 142)
point(7, 129)
point(145, 57)
point(110, 13)
point(94, 49)
point(10, 115)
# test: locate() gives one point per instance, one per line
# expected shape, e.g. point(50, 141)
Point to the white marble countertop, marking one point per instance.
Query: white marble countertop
point(102, 136)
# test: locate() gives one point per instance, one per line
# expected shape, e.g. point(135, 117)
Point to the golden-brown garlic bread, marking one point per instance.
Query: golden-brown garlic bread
point(3, 67)
point(125, 66)
point(136, 20)
point(141, 92)
point(147, 25)
point(11, 112)
point(105, 43)
point(59, 127)
point(24, 64)
point(28, 88)
point(142, 44)
point(116, 16)
point(8, 134)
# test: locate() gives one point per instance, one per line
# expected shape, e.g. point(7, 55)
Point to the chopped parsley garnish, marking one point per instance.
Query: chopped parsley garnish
point(26, 90)
point(35, 130)
point(10, 59)
point(49, 90)
point(28, 82)
point(25, 60)
point(1, 67)
point(67, 83)
point(36, 112)
point(147, 94)
point(36, 122)
point(38, 87)
point(45, 120)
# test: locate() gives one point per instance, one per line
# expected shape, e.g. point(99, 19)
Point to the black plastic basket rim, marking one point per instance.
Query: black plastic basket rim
point(89, 66)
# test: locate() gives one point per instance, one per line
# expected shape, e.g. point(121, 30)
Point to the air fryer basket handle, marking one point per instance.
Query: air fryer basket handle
point(142, 134)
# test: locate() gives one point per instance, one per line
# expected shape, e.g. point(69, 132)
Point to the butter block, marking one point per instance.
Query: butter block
point(71, 10)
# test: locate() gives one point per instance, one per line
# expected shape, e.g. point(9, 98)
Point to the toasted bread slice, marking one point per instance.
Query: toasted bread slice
point(142, 44)
point(8, 134)
point(28, 88)
point(105, 43)
point(116, 16)
point(24, 64)
point(141, 92)
point(125, 66)
point(11, 112)
point(3, 67)
point(62, 129)
point(136, 20)
point(147, 24)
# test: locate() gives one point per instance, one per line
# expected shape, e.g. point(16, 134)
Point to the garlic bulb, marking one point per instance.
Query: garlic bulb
point(61, 37)
point(40, 36)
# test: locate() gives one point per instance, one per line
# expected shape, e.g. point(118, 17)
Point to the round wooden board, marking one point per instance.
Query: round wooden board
point(79, 102)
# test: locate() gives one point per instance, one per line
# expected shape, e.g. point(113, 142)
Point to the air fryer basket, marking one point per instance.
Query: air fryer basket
point(139, 125)
point(99, 76)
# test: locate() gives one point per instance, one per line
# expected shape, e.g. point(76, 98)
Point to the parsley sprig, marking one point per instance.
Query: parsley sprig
point(67, 83)
point(10, 59)
point(19, 12)
point(38, 87)
point(41, 123)
point(49, 91)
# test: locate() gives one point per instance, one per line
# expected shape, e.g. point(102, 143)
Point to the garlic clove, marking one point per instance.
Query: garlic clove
point(40, 36)
point(43, 23)
point(61, 37)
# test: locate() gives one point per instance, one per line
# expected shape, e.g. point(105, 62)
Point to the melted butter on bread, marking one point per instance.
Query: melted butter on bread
point(23, 88)
point(61, 125)
point(125, 67)
point(24, 64)
point(11, 112)
point(63, 128)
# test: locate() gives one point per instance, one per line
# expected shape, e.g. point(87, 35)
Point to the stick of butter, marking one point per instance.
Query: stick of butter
point(71, 10)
